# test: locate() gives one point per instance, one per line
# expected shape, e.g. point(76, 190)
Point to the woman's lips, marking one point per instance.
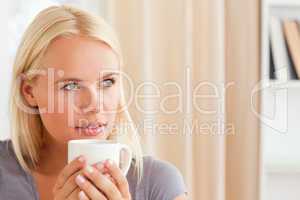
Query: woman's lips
point(90, 131)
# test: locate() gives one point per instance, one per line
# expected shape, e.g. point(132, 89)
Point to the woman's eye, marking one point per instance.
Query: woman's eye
point(71, 86)
point(108, 82)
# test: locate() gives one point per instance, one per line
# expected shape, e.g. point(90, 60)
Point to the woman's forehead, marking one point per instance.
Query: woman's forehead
point(80, 58)
point(78, 53)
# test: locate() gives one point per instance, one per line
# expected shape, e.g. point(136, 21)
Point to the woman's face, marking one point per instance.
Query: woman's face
point(77, 90)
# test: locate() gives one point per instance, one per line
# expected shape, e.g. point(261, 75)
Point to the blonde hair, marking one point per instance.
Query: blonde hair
point(50, 23)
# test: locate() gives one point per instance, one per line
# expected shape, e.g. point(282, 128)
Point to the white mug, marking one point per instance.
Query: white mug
point(99, 150)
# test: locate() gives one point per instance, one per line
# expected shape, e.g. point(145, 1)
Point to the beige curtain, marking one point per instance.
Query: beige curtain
point(199, 59)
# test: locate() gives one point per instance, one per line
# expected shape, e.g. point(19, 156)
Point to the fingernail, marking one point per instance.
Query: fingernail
point(109, 162)
point(81, 159)
point(89, 169)
point(79, 179)
point(82, 195)
point(100, 166)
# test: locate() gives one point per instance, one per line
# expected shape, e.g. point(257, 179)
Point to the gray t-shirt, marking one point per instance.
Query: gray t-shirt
point(161, 180)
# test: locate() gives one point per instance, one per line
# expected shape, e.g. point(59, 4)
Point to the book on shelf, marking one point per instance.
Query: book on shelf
point(292, 35)
point(281, 63)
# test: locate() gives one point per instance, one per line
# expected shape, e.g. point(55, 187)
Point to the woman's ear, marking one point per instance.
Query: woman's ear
point(27, 92)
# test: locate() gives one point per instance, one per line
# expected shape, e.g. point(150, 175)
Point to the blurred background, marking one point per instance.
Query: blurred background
point(217, 113)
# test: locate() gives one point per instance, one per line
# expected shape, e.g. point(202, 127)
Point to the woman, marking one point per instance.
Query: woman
point(67, 85)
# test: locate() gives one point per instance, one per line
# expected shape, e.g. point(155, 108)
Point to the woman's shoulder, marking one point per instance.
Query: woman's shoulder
point(13, 180)
point(9, 165)
point(162, 179)
point(155, 167)
point(8, 160)
point(5, 150)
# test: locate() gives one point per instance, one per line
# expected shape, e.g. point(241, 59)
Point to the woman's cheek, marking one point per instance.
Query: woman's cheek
point(112, 99)
point(57, 113)
point(55, 125)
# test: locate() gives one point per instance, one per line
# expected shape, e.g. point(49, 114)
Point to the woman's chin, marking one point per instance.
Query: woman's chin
point(87, 137)
point(77, 136)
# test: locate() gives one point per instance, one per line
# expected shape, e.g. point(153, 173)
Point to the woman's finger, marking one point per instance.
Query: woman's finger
point(82, 195)
point(118, 176)
point(89, 189)
point(73, 195)
point(102, 183)
point(68, 187)
point(101, 168)
point(68, 170)
point(110, 178)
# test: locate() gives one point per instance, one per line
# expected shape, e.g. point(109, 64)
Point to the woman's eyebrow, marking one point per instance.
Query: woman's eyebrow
point(79, 80)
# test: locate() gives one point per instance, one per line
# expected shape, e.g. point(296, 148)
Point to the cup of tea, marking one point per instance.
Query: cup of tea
point(96, 151)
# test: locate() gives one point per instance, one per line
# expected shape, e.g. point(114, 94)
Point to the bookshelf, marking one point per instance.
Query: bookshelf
point(282, 9)
point(280, 136)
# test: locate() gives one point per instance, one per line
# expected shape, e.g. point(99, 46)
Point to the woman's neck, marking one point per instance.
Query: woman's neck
point(53, 157)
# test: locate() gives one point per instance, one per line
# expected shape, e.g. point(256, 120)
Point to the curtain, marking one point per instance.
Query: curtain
point(193, 64)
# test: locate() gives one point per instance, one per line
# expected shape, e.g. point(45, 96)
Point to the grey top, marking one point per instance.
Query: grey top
point(161, 180)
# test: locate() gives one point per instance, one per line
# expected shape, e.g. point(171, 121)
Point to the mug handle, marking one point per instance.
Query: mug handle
point(129, 156)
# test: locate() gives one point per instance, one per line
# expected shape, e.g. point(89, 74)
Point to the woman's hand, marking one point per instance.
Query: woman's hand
point(65, 186)
point(97, 186)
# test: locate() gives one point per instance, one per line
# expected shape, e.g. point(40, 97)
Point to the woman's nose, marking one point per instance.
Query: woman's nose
point(91, 100)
